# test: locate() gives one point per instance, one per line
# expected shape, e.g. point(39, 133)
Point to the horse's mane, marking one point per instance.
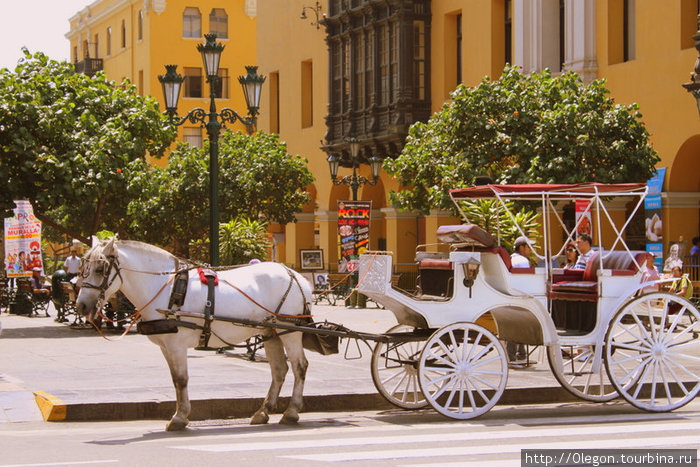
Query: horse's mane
point(146, 246)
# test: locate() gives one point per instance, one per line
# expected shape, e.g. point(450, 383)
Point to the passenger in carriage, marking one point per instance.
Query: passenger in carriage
point(517, 353)
point(650, 273)
point(523, 249)
point(583, 244)
point(571, 256)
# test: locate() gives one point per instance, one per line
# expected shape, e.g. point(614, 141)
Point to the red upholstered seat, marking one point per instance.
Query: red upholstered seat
point(505, 256)
point(435, 264)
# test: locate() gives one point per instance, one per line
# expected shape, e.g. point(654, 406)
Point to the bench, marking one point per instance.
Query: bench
point(574, 292)
point(39, 301)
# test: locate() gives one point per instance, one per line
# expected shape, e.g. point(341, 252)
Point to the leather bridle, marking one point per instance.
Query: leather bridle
point(112, 263)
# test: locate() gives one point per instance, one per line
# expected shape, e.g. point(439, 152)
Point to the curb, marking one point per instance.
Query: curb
point(245, 407)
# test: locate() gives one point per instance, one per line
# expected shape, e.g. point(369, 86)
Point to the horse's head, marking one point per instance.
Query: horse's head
point(99, 271)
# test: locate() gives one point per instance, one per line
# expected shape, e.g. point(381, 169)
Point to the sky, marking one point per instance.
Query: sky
point(40, 25)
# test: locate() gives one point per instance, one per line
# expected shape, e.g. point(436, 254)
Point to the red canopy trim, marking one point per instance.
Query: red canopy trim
point(535, 191)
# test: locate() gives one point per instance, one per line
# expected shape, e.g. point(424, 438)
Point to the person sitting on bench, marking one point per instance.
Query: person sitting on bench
point(519, 259)
point(583, 244)
point(36, 283)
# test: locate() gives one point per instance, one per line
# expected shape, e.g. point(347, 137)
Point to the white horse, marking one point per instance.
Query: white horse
point(258, 292)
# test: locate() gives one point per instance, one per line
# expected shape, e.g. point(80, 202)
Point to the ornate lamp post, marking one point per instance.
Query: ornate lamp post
point(354, 180)
point(252, 86)
point(693, 86)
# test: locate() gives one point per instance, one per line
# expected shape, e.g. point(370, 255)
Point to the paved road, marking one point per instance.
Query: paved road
point(128, 378)
point(393, 437)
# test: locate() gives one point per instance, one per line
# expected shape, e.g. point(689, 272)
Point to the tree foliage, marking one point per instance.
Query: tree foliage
point(66, 141)
point(533, 128)
point(258, 180)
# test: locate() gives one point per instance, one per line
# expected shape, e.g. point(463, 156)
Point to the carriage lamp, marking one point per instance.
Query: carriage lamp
point(212, 120)
point(354, 180)
point(471, 270)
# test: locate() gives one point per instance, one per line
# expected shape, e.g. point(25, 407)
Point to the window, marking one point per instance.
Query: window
point(192, 136)
point(97, 46)
point(140, 26)
point(359, 71)
point(193, 82)
point(383, 65)
point(689, 22)
point(621, 31)
point(140, 83)
point(274, 102)
point(307, 96)
point(75, 53)
point(218, 22)
point(419, 57)
point(123, 34)
point(86, 49)
point(509, 31)
point(221, 86)
point(191, 22)
point(109, 40)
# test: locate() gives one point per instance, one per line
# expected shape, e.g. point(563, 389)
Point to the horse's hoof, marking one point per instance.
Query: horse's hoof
point(176, 425)
point(259, 419)
point(289, 419)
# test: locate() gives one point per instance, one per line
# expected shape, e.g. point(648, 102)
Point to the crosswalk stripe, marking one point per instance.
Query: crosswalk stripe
point(443, 437)
point(655, 442)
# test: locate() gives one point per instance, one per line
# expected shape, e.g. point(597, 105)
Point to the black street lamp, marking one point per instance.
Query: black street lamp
point(252, 86)
point(693, 86)
point(354, 180)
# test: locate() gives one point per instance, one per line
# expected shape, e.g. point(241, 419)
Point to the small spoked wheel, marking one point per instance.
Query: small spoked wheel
point(653, 352)
point(582, 372)
point(395, 371)
point(463, 370)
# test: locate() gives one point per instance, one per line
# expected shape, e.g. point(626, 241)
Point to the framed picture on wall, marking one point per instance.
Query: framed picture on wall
point(311, 259)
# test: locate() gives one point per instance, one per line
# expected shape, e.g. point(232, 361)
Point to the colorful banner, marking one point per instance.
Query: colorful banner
point(353, 232)
point(652, 217)
point(584, 224)
point(22, 242)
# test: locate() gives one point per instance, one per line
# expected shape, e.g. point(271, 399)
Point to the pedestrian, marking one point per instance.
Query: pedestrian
point(583, 245)
point(695, 250)
point(72, 264)
point(681, 286)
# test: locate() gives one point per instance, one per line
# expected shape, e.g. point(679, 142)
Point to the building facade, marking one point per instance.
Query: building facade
point(370, 68)
point(135, 39)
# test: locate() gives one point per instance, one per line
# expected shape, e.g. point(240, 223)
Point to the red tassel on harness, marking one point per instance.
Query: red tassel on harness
point(205, 274)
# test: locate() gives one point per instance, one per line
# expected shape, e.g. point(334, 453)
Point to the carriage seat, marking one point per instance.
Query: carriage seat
point(469, 234)
point(584, 286)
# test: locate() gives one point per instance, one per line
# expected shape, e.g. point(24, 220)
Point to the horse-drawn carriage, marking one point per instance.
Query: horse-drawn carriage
point(446, 350)
point(603, 337)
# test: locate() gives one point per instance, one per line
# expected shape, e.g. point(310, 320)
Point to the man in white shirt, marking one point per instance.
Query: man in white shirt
point(72, 264)
point(583, 244)
point(517, 353)
point(523, 250)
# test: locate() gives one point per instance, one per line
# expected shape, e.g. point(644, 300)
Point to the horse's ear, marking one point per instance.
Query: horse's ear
point(95, 241)
point(109, 249)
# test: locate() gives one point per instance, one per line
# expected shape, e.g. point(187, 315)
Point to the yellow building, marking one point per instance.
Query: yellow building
point(371, 67)
point(135, 39)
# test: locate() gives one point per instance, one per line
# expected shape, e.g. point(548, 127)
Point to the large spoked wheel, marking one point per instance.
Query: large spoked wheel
point(582, 372)
point(395, 371)
point(653, 352)
point(463, 370)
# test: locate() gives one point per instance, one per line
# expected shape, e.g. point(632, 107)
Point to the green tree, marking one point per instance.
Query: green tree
point(67, 140)
point(258, 180)
point(243, 239)
point(521, 128)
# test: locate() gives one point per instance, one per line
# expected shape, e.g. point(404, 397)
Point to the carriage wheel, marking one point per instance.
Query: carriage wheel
point(653, 352)
point(463, 370)
point(395, 371)
point(578, 374)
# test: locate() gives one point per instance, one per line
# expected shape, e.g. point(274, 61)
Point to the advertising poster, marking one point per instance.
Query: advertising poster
point(652, 217)
point(583, 218)
point(22, 242)
point(353, 232)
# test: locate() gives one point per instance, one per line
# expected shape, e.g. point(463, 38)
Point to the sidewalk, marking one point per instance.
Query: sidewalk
point(89, 378)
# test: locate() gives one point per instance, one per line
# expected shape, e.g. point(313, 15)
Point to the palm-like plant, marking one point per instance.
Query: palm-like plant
point(492, 216)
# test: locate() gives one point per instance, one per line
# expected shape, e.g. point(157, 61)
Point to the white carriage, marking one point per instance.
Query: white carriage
point(603, 337)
